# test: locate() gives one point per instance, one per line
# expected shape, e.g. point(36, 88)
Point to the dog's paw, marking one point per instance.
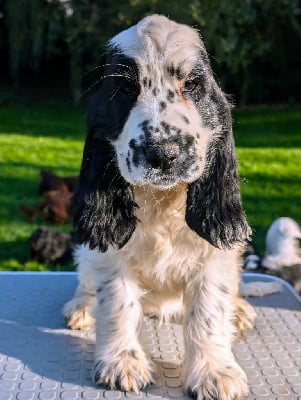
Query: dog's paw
point(245, 315)
point(228, 383)
point(132, 371)
point(77, 314)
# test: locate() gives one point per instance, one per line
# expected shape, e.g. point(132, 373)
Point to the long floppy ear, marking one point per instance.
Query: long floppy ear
point(103, 205)
point(214, 210)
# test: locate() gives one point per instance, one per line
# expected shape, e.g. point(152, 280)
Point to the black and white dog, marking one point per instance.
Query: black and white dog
point(158, 213)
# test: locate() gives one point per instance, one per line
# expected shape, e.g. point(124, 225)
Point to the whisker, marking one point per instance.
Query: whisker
point(114, 178)
point(106, 167)
point(130, 78)
point(116, 175)
point(90, 88)
point(93, 69)
point(114, 94)
point(118, 75)
point(97, 67)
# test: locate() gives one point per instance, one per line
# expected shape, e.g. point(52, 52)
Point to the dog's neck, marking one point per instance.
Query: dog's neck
point(154, 202)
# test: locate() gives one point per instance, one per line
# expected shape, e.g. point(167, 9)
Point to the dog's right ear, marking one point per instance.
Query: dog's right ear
point(103, 204)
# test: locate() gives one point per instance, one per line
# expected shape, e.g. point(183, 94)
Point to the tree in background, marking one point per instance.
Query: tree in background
point(254, 44)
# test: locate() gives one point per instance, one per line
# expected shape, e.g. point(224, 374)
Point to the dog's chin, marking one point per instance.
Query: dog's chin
point(158, 184)
point(164, 184)
point(157, 179)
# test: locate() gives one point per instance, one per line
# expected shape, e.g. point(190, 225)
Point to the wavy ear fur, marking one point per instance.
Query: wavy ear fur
point(103, 205)
point(214, 210)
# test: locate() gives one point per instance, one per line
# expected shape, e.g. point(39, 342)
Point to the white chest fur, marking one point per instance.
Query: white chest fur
point(163, 249)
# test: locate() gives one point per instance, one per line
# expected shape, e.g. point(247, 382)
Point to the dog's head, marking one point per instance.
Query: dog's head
point(159, 119)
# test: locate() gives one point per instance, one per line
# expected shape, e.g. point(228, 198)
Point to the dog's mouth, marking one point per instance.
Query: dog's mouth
point(163, 182)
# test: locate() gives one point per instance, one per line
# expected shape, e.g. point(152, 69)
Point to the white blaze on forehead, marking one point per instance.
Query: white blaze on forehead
point(157, 38)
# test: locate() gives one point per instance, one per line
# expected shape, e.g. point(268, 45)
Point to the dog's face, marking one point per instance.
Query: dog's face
point(164, 139)
point(160, 119)
point(160, 73)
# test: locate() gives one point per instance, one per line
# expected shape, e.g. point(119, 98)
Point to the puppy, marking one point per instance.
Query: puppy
point(47, 245)
point(282, 244)
point(54, 183)
point(158, 213)
point(283, 251)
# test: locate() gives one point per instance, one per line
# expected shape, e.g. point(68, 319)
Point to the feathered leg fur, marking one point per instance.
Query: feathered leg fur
point(210, 370)
point(79, 311)
point(110, 289)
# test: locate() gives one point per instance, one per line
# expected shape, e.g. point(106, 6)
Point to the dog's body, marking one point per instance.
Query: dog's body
point(158, 213)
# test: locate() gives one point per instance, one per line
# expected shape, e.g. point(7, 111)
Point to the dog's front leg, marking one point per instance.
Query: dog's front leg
point(120, 361)
point(210, 370)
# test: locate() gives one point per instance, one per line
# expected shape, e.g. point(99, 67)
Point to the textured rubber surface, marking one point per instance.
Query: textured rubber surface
point(40, 359)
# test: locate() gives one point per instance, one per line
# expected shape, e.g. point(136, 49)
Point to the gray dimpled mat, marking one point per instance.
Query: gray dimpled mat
point(40, 359)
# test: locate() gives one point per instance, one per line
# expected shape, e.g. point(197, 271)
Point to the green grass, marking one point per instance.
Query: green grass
point(33, 138)
point(268, 141)
point(51, 135)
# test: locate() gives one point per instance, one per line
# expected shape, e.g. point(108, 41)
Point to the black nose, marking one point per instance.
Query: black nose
point(162, 156)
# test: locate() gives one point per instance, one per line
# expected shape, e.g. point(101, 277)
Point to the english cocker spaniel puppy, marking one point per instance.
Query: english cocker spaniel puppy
point(48, 245)
point(283, 244)
point(158, 213)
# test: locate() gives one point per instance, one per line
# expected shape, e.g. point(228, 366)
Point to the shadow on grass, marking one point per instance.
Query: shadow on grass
point(268, 127)
point(14, 249)
point(280, 136)
point(37, 168)
point(59, 121)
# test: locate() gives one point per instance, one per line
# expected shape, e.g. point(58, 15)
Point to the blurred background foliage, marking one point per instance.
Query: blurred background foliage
point(254, 44)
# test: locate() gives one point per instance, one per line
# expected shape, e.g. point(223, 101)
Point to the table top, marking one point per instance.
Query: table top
point(41, 359)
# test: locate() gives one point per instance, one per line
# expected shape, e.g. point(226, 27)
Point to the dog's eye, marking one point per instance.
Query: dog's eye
point(129, 88)
point(190, 85)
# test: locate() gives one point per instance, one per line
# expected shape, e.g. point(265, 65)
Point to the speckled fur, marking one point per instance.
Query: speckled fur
point(159, 216)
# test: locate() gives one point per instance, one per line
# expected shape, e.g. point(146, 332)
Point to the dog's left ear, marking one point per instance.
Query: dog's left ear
point(214, 210)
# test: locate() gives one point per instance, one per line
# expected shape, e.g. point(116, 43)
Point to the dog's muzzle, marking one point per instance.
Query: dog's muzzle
point(164, 162)
point(162, 157)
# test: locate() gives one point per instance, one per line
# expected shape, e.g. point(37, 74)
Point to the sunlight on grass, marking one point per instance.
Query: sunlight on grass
point(32, 140)
point(40, 152)
point(270, 186)
point(22, 158)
